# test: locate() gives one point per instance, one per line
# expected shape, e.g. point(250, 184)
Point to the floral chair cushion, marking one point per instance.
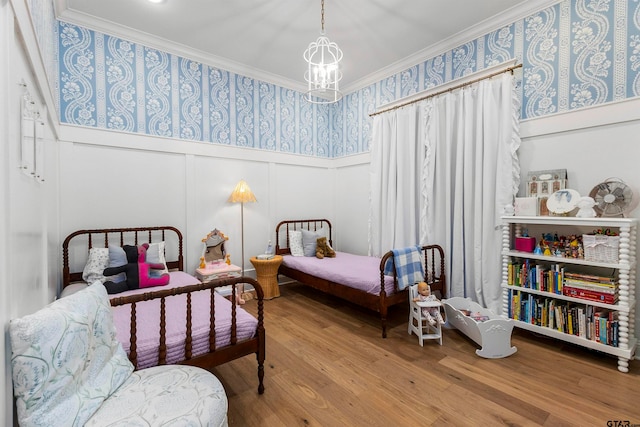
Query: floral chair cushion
point(66, 360)
point(173, 395)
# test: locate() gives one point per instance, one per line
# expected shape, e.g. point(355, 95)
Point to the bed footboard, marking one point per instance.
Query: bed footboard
point(214, 356)
point(77, 246)
point(433, 257)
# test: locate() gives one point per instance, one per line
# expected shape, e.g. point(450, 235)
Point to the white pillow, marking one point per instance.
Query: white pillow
point(66, 360)
point(101, 258)
point(155, 254)
point(96, 263)
point(295, 243)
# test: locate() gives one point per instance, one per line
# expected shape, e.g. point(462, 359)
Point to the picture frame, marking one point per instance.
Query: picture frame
point(526, 206)
point(546, 182)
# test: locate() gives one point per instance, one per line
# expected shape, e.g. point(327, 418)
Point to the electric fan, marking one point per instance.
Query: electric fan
point(612, 197)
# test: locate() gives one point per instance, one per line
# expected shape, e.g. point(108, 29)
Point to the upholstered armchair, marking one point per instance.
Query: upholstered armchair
point(69, 370)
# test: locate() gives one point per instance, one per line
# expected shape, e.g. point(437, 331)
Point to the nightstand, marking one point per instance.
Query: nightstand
point(267, 275)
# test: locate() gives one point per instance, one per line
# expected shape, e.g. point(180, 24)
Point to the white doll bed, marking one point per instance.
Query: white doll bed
point(492, 335)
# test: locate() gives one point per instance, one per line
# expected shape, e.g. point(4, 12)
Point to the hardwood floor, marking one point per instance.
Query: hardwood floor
point(327, 365)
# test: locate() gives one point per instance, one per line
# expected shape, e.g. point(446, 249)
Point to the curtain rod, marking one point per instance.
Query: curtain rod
point(431, 95)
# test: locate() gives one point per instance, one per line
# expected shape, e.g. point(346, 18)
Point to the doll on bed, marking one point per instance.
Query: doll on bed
point(432, 314)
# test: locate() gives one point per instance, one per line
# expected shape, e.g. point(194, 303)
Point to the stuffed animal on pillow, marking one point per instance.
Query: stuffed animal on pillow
point(323, 249)
point(147, 279)
point(137, 270)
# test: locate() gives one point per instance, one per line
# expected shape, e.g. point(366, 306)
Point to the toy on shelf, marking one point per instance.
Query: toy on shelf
point(585, 207)
point(560, 246)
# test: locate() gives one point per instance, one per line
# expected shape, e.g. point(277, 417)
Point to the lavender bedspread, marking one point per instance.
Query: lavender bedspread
point(148, 324)
point(356, 271)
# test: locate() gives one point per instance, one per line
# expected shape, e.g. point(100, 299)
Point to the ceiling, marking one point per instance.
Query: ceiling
point(266, 38)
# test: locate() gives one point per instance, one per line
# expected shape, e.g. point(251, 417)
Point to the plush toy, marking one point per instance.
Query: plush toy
point(147, 279)
point(323, 249)
point(138, 271)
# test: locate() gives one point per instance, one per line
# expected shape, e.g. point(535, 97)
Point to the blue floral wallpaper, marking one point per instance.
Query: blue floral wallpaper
point(575, 54)
point(110, 83)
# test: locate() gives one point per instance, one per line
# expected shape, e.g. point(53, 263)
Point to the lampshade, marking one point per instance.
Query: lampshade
point(242, 193)
point(323, 69)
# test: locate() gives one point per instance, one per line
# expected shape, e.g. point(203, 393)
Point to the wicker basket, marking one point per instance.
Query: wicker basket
point(600, 248)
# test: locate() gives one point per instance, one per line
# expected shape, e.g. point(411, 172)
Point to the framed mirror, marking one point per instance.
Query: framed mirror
point(213, 250)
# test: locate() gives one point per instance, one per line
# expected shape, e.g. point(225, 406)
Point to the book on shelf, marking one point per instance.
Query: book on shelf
point(607, 289)
point(589, 295)
point(536, 276)
point(603, 338)
point(590, 278)
point(582, 324)
point(559, 319)
point(606, 328)
point(570, 323)
point(582, 320)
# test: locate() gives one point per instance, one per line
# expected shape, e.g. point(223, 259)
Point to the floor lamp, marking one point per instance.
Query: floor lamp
point(242, 194)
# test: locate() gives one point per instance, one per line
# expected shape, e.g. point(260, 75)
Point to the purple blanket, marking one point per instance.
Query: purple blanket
point(355, 271)
point(148, 324)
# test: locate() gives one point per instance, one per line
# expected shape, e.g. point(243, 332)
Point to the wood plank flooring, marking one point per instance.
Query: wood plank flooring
point(327, 365)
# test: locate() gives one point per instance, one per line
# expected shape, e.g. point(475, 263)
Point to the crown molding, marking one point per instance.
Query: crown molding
point(140, 37)
point(480, 29)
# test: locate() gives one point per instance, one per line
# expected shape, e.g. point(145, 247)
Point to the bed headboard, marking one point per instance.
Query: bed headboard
point(77, 244)
point(282, 231)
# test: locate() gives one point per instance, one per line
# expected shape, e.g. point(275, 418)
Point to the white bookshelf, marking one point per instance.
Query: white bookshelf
point(624, 269)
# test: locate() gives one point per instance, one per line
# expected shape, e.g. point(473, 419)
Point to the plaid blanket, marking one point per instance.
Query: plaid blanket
point(408, 263)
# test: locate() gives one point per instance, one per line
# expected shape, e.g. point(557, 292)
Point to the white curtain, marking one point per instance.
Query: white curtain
point(397, 157)
point(472, 173)
point(466, 171)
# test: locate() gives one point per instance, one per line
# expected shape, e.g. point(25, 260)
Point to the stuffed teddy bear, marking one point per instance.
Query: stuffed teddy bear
point(323, 249)
point(137, 271)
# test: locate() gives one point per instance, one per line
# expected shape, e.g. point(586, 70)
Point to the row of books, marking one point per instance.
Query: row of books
point(591, 287)
point(556, 280)
point(536, 276)
point(589, 322)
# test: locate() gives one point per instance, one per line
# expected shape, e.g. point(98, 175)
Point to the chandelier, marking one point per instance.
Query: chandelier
point(323, 73)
